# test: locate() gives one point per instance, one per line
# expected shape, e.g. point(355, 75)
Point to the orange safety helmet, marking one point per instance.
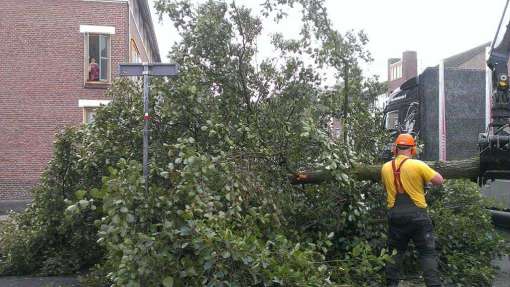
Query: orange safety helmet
point(405, 140)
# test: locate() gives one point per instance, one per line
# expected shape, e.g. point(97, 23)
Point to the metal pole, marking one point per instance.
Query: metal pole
point(146, 70)
point(146, 119)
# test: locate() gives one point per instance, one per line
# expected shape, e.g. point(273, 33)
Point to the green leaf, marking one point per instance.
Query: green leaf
point(168, 281)
point(208, 264)
point(130, 218)
point(80, 194)
point(97, 193)
point(83, 203)
point(72, 208)
point(225, 254)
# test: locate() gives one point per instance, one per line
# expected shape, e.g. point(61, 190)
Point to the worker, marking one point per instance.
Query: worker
point(404, 179)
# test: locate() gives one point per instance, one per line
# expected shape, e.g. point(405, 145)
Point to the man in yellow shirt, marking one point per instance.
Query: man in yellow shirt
point(404, 179)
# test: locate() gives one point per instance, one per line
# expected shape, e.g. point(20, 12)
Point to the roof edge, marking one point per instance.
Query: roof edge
point(146, 14)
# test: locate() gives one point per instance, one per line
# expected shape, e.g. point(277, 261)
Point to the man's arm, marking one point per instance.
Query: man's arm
point(430, 175)
point(437, 179)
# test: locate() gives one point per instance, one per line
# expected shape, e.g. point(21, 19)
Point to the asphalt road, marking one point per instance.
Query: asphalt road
point(502, 279)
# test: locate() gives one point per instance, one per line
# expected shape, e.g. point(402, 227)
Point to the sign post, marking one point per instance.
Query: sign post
point(146, 70)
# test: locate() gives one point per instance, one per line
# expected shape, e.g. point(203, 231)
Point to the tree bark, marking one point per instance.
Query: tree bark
point(346, 100)
point(467, 168)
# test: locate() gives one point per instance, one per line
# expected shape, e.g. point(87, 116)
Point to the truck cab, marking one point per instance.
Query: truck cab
point(402, 113)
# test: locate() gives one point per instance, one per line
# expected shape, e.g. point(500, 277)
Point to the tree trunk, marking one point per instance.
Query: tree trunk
point(467, 168)
point(346, 101)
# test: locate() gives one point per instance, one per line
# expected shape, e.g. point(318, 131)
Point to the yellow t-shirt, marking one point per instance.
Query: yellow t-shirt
point(414, 174)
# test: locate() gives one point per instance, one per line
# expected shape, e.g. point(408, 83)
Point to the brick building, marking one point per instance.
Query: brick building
point(58, 58)
point(401, 70)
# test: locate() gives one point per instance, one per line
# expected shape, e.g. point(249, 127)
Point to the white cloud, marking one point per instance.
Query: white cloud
point(436, 29)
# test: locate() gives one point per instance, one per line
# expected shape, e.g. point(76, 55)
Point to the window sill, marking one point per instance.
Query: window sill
point(97, 85)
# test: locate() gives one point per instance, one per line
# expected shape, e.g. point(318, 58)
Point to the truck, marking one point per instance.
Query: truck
point(461, 108)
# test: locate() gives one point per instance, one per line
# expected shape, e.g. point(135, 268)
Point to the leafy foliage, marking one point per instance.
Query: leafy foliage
point(224, 136)
point(467, 241)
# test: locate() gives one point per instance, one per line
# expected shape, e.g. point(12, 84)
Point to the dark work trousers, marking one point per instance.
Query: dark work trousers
point(415, 224)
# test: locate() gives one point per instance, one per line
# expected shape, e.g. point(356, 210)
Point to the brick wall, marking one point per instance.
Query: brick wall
point(409, 65)
point(42, 73)
point(408, 69)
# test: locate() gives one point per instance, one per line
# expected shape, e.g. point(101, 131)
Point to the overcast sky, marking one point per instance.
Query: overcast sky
point(436, 29)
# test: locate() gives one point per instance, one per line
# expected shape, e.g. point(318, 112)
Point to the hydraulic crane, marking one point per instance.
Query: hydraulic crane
point(494, 143)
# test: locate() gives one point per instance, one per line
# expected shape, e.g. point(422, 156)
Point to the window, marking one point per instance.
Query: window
point(391, 120)
point(97, 55)
point(90, 108)
point(395, 71)
point(88, 115)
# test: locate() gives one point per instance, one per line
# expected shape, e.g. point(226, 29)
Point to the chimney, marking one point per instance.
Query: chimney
point(401, 70)
point(409, 65)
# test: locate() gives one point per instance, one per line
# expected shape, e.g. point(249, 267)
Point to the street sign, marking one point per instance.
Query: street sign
point(146, 70)
point(155, 69)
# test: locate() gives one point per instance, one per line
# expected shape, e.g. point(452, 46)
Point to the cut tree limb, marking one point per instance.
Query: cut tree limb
point(467, 168)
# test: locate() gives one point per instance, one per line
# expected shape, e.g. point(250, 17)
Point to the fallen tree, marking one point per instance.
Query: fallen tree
point(456, 169)
point(219, 210)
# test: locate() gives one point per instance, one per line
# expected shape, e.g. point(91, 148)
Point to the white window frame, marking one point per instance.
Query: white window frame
point(87, 58)
point(110, 30)
point(88, 30)
point(89, 106)
point(395, 71)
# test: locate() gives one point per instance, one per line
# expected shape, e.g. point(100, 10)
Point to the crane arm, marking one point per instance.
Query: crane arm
point(494, 144)
point(498, 63)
